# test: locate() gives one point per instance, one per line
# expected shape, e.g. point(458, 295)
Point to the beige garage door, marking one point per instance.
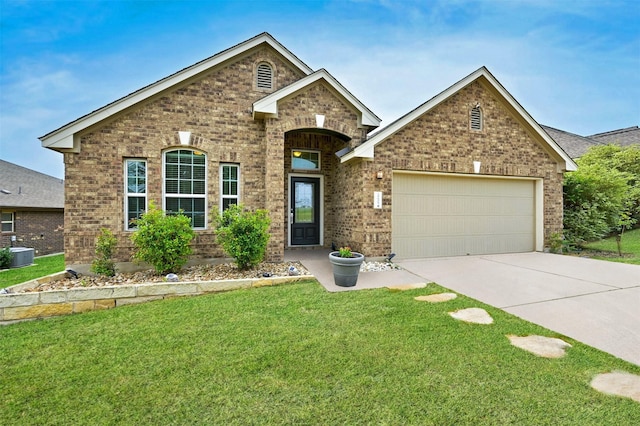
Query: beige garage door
point(454, 216)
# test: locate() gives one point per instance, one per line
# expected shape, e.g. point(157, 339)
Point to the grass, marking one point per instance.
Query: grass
point(45, 265)
point(297, 354)
point(607, 249)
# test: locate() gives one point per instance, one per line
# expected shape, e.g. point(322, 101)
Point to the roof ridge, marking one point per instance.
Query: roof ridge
point(613, 132)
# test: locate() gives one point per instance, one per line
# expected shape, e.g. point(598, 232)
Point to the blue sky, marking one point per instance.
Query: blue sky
point(574, 65)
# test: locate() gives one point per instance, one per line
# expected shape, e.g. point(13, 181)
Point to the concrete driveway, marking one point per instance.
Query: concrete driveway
point(593, 301)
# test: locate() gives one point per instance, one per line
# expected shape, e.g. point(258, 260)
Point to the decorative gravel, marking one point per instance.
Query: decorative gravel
point(378, 266)
point(225, 271)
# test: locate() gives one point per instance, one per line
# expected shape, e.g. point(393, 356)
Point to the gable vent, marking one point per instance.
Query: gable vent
point(264, 76)
point(476, 118)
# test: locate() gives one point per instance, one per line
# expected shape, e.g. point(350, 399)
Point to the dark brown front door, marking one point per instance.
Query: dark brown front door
point(305, 210)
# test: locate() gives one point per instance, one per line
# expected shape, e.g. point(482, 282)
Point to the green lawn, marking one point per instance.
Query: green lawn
point(608, 248)
point(296, 354)
point(43, 266)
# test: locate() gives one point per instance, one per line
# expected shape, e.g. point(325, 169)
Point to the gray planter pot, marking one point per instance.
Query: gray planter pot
point(345, 269)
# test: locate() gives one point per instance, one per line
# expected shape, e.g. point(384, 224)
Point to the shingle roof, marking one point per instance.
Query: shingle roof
point(623, 137)
point(574, 145)
point(28, 188)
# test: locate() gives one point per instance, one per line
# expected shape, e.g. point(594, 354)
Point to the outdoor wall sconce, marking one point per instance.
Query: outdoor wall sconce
point(379, 175)
point(476, 167)
point(319, 120)
point(185, 138)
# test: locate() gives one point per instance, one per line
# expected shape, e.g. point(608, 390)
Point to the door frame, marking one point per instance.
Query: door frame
point(320, 202)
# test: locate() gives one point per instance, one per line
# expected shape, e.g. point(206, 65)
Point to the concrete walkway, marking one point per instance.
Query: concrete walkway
point(593, 301)
point(317, 262)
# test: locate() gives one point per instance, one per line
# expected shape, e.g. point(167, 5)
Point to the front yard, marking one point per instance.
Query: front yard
point(296, 354)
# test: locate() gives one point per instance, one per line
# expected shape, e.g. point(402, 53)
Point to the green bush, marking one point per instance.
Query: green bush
point(5, 258)
point(164, 241)
point(243, 235)
point(596, 203)
point(103, 263)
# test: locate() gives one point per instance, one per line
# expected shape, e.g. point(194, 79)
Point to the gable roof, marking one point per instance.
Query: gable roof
point(623, 137)
point(366, 149)
point(574, 145)
point(62, 139)
point(22, 187)
point(268, 106)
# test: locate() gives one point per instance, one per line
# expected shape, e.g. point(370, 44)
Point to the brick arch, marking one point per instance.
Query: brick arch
point(309, 123)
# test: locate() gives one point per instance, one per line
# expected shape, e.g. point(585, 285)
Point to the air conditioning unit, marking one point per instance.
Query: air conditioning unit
point(22, 256)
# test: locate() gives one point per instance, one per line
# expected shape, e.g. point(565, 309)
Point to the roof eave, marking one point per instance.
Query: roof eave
point(62, 138)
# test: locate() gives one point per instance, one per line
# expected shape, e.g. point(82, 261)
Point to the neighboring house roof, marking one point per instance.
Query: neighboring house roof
point(62, 139)
point(269, 104)
point(623, 137)
point(22, 187)
point(366, 149)
point(574, 145)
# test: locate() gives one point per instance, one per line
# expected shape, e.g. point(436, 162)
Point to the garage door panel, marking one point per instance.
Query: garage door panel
point(448, 216)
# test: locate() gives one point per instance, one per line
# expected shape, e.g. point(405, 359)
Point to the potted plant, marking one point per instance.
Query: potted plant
point(346, 266)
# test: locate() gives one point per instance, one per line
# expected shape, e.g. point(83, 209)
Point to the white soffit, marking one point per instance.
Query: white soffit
point(62, 138)
point(269, 104)
point(366, 150)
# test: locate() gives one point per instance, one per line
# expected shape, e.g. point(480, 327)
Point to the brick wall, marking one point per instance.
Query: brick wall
point(441, 141)
point(216, 108)
point(40, 230)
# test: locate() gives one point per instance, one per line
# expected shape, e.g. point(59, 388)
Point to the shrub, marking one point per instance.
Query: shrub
point(164, 241)
point(105, 244)
point(243, 235)
point(5, 258)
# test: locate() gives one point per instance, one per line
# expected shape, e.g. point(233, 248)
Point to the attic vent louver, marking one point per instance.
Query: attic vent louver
point(264, 76)
point(476, 118)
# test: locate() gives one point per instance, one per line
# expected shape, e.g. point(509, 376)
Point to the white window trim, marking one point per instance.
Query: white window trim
point(223, 197)
point(206, 185)
point(128, 194)
point(12, 222)
point(310, 151)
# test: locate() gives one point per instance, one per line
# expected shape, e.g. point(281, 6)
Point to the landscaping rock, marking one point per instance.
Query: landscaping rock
point(437, 298)
point(546, 347)
point(473, 315)
point(618, 383)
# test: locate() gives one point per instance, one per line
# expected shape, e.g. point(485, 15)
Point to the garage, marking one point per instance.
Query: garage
point(437, 215)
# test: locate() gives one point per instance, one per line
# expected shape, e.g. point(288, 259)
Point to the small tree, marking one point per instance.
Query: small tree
point(105, 245)
point(243, 235)
point(164, 241)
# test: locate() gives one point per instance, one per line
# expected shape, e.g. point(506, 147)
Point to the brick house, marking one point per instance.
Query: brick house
point(31, 209)
point(254, 124)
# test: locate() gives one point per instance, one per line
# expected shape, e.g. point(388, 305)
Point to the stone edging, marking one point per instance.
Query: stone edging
point(25, 306)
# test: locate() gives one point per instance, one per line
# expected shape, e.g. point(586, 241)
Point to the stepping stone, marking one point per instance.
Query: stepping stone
point(404, 287)
point(546, 347)
point(618, 383)
point(436, 298)
point(472, 315)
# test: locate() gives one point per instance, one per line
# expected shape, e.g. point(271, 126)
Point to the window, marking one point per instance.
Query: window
point(229, 185)
point(264, 76)
point(475, 122)
point(6, 218)
point(305, 160)
point(135, 190)
point(185, 173)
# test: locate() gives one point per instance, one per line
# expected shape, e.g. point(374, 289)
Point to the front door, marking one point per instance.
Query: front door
point(304, 216)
